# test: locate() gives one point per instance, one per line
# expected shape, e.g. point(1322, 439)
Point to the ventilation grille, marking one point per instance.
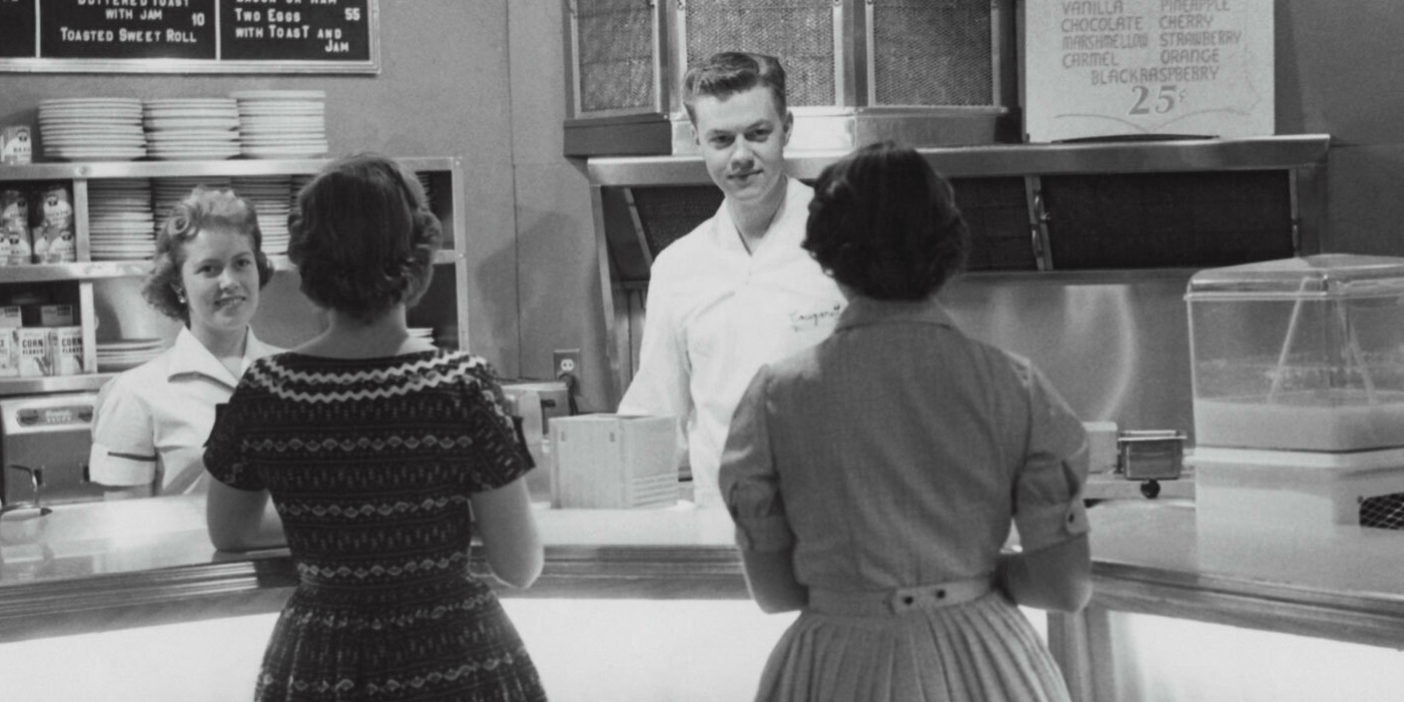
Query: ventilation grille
point(616, 55)
point(669, 213)
point(1168, 219)
point(1383, 511)
point(933, 52)
point(798, 32)
point(997, 212)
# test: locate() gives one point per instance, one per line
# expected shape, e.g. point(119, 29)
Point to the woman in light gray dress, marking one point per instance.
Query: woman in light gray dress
point(874, 478)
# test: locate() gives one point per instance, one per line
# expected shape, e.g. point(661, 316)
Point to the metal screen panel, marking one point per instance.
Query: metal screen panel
point(932, 52)
point(997, 213)
point(669, 213)
point(1383, 511)
point(616, 59)
point(1196, 220)
point(798, 32)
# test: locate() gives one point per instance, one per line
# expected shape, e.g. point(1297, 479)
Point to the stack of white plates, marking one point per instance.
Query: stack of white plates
point(426, 333)
point(282, 123)
point(428, 191)
point(121, 354)
point(299, 182)
point(192, 128)
point(120, 222)
point(91, 129)
point(168, 192)
point(269, 196)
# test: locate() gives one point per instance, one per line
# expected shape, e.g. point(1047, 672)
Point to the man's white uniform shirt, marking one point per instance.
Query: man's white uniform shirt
point(715, 314)
point(151, 422)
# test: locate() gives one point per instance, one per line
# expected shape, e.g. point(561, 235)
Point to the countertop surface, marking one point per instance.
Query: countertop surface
point(1155, 536)
point(100, 538)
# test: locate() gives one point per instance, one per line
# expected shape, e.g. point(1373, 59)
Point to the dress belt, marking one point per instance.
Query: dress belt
point(887, 602)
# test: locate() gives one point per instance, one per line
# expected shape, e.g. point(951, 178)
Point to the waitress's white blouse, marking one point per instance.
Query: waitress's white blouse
point(151, 422)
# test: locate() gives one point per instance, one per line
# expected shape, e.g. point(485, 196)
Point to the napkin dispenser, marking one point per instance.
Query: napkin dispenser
point(610, 461)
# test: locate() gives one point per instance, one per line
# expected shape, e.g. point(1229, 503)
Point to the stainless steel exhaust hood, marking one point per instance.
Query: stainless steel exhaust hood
point(1117, 227)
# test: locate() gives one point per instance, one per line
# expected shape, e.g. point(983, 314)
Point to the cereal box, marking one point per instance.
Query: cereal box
point(33, 351)
point(9, 354)
point(59, 315)
point(11, 317)
point(65, 350)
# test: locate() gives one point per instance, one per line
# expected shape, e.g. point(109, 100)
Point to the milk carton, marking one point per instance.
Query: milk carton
point(53, 240)
point(17, 243)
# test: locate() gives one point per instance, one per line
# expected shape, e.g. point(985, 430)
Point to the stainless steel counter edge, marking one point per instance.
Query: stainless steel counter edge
point(1149, 557)
point(46, 608)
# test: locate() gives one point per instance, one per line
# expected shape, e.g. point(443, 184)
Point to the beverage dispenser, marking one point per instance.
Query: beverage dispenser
point(1298, 373)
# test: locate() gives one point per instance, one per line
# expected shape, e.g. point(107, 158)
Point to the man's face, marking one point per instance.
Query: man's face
point(743, 139)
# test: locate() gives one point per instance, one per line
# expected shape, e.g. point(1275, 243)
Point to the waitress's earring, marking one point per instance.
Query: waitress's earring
point(180, 295)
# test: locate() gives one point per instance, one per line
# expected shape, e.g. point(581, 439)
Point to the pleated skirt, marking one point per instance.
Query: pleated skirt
point(984, 650)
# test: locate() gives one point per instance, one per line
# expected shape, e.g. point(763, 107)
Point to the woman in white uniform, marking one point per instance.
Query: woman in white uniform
point(152, 421)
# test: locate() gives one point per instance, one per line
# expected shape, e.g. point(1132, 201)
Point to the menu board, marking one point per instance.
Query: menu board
point(190, 36)
point(1105, 68)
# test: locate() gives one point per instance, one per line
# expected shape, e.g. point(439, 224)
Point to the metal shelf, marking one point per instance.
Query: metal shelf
point(93, 270)
point(89, 170)
point(89, 382)
point(1265, 153)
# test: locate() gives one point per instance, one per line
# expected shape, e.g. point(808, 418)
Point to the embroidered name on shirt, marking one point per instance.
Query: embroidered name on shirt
point(804, 321)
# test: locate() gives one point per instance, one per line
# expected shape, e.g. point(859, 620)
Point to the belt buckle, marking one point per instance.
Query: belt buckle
point(905, 599)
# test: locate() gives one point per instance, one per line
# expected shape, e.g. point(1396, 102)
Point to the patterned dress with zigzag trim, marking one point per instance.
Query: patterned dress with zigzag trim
point(370, 463)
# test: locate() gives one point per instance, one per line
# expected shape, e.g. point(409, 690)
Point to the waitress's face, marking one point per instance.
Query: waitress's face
point(220, 277)
point(743, 139)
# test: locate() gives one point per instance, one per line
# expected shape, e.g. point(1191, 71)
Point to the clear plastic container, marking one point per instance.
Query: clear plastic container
point(1299, 354)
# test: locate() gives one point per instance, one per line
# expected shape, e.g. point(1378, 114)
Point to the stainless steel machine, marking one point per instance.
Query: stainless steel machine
point(44, 443)
point(536, 402)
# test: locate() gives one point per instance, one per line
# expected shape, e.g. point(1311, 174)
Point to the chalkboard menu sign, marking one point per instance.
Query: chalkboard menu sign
point(1145, 68)
point(190, 36)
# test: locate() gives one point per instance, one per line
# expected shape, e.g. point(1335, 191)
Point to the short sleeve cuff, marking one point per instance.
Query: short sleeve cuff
point(764, 533)
point(117, 471)
point(1049, 525)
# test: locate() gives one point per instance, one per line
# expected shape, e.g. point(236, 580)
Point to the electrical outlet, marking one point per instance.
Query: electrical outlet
point(566, 361)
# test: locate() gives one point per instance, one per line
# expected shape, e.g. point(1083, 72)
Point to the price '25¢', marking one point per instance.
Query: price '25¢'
point(1160, 102)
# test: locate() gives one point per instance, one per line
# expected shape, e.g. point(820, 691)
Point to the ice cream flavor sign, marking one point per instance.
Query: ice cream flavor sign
point(1096, 68)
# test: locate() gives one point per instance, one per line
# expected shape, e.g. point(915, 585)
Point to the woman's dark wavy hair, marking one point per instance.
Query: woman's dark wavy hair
point(885, 224)
point(363, 237)
point(204, 208)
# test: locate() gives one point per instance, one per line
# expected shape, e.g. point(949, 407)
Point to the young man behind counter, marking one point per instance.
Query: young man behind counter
point(737, 292)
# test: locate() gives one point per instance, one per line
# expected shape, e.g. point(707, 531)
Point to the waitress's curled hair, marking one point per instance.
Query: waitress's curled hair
point(885, 224)
point(363, 237)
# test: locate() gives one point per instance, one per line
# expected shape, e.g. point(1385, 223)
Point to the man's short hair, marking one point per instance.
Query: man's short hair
point(726, 73)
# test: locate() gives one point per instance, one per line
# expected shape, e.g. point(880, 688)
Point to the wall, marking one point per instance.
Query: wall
point(560, 295)
point(442, 91)
point(459, 77)
point(1337, 67)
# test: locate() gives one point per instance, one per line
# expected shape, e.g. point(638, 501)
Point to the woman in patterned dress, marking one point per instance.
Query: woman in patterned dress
point(873, 479)
point(374, 446)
